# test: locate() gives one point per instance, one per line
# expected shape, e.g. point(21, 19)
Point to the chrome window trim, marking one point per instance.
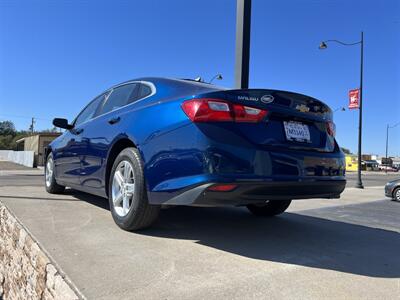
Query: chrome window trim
point(109, 92)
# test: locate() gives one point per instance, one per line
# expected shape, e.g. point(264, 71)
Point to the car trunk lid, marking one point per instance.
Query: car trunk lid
point(294, 121)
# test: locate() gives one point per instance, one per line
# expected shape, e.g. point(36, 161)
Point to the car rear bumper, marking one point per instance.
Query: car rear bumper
point(250, 192)
point(216, 155)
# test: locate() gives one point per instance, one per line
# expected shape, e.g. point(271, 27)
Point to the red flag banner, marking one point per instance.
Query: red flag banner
point(354, 99)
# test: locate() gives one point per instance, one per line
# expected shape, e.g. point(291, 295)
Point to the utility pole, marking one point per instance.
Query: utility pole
point(242, 55)
point(32, 127)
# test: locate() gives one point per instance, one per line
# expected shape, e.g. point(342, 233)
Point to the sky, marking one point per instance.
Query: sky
point(55, 56)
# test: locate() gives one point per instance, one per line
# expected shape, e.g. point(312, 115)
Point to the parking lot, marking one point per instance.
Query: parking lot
point(342, 248)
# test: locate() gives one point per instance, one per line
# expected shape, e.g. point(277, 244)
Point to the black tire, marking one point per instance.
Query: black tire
point(51, 185)
point(141, 214)
point(396, 194)
point(269, 209)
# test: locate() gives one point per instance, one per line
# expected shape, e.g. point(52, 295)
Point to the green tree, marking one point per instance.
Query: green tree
point(7, 128)
point(6, 142)
point(53, 129)
point(345, 150)
point(7, 134)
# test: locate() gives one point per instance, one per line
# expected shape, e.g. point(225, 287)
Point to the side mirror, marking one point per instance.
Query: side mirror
point(62, 123)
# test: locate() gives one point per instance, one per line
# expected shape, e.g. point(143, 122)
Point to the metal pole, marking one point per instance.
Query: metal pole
point(387, 143)
point(32, 125)
point(242, 59)
point(359, 182)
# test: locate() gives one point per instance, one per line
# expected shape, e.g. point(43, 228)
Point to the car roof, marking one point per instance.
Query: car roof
point(173, 81)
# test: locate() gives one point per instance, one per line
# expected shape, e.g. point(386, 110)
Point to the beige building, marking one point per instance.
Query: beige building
point(37, 143)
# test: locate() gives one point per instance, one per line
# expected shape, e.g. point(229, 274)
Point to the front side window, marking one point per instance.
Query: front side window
point(89, 111)
point(120, 96)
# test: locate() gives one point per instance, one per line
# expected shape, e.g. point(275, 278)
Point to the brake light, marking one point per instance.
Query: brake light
point(214, 110)
point(331, 128)
point(202, 110)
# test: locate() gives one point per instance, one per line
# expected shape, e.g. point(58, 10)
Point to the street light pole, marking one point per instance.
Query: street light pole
point(323, 45)
point(387, 144)
point(359, 182)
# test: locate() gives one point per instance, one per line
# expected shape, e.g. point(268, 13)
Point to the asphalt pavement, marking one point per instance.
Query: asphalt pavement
point(320, 249)
point(16, 175)
point(371, 178)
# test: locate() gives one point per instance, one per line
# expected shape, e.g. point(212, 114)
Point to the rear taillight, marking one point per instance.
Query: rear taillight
point(214, 110)
point(331, 128)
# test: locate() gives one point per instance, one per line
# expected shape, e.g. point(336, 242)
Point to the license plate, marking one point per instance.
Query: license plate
point(296, 131)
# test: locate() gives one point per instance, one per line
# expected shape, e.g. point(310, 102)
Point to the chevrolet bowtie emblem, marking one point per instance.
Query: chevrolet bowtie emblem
point(302, 108)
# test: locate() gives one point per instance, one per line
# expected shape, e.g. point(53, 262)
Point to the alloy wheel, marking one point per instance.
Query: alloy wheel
point(49, 171)
point(123, 188)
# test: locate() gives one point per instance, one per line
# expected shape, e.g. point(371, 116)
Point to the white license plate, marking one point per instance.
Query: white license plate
point(296, 131)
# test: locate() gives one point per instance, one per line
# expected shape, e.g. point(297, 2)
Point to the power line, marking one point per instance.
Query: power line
point(393, 126)
point(23, 117)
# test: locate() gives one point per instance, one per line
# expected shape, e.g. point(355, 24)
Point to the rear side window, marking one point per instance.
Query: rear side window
point(120, 96)
point(89, 111)
point(145, 90)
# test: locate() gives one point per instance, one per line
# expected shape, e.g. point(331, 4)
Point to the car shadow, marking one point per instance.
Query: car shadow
point(77, 196)
point(91, 199)
point(290, 238)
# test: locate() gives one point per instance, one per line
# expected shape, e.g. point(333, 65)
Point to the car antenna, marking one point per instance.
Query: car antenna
point(218, 77)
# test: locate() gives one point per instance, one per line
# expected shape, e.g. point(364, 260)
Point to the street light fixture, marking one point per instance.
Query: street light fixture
point(324, 45)
point(218, 77)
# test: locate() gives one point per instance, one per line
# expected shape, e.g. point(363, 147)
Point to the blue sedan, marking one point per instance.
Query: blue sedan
point(156, 141)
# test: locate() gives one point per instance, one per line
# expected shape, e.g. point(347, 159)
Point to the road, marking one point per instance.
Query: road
point(18, 175)
point(371, 178)
point(22, 178)
point(12, 174)
point(340, 248)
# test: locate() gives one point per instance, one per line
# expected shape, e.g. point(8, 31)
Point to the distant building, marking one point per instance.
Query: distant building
point(351, 162)
point(370, 162)
point(37, 143)
point(369, 157)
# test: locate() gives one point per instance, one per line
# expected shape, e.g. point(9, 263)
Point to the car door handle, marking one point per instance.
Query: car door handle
point(78, 131)
point(114, 120)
